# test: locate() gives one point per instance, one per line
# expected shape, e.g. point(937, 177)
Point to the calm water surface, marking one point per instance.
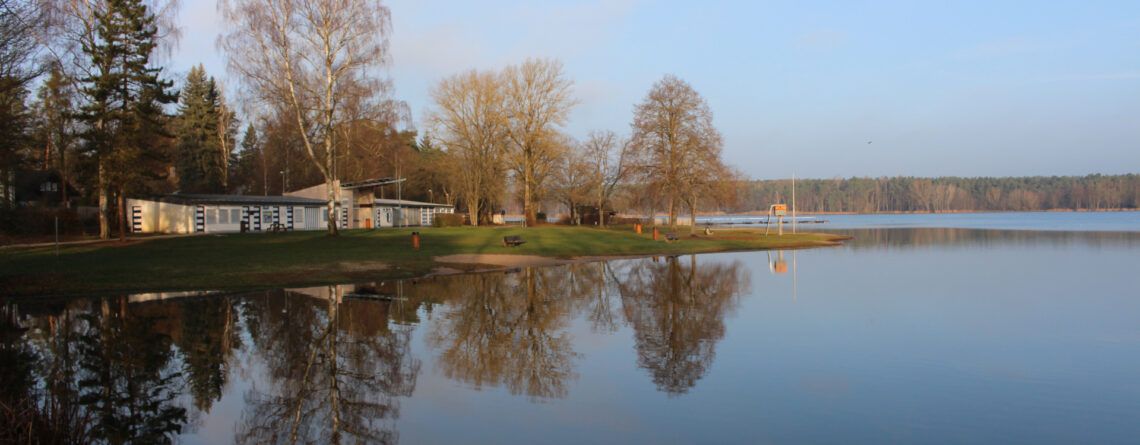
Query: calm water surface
point(1053, 221)
point(903, 335)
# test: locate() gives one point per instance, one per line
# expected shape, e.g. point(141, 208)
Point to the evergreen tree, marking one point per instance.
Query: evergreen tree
point(250, 173)
point(13, 139)
point(125, 116)
point(199, 167)
point(206, 132)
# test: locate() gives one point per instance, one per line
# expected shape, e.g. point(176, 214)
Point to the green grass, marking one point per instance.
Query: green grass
point(241, 261)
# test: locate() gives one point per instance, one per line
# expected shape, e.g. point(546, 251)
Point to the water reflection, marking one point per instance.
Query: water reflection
point(677, 312)
point(912, 238)
point(335, 370)
point(508, 330)
point(331, 364)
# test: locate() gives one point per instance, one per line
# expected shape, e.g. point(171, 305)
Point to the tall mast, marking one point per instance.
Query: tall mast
point(793, 202)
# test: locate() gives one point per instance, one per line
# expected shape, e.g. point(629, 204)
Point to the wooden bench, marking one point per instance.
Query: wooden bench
point(512, 241)
point(671, 237)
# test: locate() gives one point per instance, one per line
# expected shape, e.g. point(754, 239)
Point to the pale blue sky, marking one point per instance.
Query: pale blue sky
point(939, 88)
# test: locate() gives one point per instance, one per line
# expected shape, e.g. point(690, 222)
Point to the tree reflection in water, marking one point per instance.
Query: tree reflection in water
point(335, 369)
point(127, 381)
point(509, 329)
point(677, 313)
point(321, 368)
point(506, 329)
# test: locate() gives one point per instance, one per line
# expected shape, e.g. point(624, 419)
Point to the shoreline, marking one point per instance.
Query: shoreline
point(265, 261)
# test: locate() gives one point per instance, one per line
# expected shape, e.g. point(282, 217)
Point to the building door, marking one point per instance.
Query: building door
point(312, 218)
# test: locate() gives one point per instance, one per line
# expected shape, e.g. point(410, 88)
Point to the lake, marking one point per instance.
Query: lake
point(1063, 221)
point(921, 334)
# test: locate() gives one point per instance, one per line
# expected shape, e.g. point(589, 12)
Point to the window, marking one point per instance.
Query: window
point(223, 216)
point(299, 217)
point(211, 216)
point(235, 216)
point(266, 215)
point(324, 217)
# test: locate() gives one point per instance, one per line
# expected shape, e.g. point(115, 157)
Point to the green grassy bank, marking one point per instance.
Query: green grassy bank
point(241, 261)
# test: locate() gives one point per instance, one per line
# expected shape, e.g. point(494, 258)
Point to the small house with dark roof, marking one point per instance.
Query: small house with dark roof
point(200, 213)
point(43, 188)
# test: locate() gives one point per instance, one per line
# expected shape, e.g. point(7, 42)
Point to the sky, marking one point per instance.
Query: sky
point(814, 89)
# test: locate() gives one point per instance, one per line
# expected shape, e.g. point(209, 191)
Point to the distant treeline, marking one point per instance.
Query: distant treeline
point(948, 194)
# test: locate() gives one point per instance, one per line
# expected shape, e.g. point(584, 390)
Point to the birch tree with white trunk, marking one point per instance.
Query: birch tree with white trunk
point(312, 56)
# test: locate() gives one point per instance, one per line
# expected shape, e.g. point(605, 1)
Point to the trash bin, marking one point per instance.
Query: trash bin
point(416, 240)
point(244, 226)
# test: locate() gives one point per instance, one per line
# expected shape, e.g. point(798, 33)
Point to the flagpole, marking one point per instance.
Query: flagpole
point(793, 202)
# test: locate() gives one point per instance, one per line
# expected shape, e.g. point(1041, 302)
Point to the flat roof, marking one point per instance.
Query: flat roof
point(370, 182)
point(406, 203)
point(194, 198)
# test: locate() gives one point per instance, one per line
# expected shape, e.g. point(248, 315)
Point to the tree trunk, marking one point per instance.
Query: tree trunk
point(122, 215)
point(63, 181)
point(672, 212)
point(528, 207)
point(473, 210)
point(104, 203)
point(692, 214)
point(601, 203)
point(332, 186)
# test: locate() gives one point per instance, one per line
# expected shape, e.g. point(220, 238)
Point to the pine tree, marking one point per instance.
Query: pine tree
point(199, 169)
point(206, 128)
point(250, 169)
point(125, 116)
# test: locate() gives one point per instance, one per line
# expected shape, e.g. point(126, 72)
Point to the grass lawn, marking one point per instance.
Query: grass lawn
point(240, 261)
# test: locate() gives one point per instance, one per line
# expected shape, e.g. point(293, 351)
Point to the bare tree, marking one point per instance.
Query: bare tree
point(574, 180)
point(19, 30)
point(469, 123)
point(313, 56)
point(609, 160)
point(675, 140)
point(537, 101)
point(703, 174)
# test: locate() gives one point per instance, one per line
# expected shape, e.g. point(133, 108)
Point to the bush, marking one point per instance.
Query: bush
point(619, 221)
point(448, 220)
point(41, 222)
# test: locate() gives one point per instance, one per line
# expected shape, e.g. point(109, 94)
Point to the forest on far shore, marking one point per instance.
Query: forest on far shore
point(946, 194)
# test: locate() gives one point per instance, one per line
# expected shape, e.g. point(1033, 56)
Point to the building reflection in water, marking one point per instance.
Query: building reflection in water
point(330, 364)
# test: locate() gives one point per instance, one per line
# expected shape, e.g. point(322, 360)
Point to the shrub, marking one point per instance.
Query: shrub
point(41, 222)
point(448, 220)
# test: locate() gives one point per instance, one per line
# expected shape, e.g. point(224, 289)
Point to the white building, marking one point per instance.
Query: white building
point(402, 213)
point(363, 206)
point(192, 213)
